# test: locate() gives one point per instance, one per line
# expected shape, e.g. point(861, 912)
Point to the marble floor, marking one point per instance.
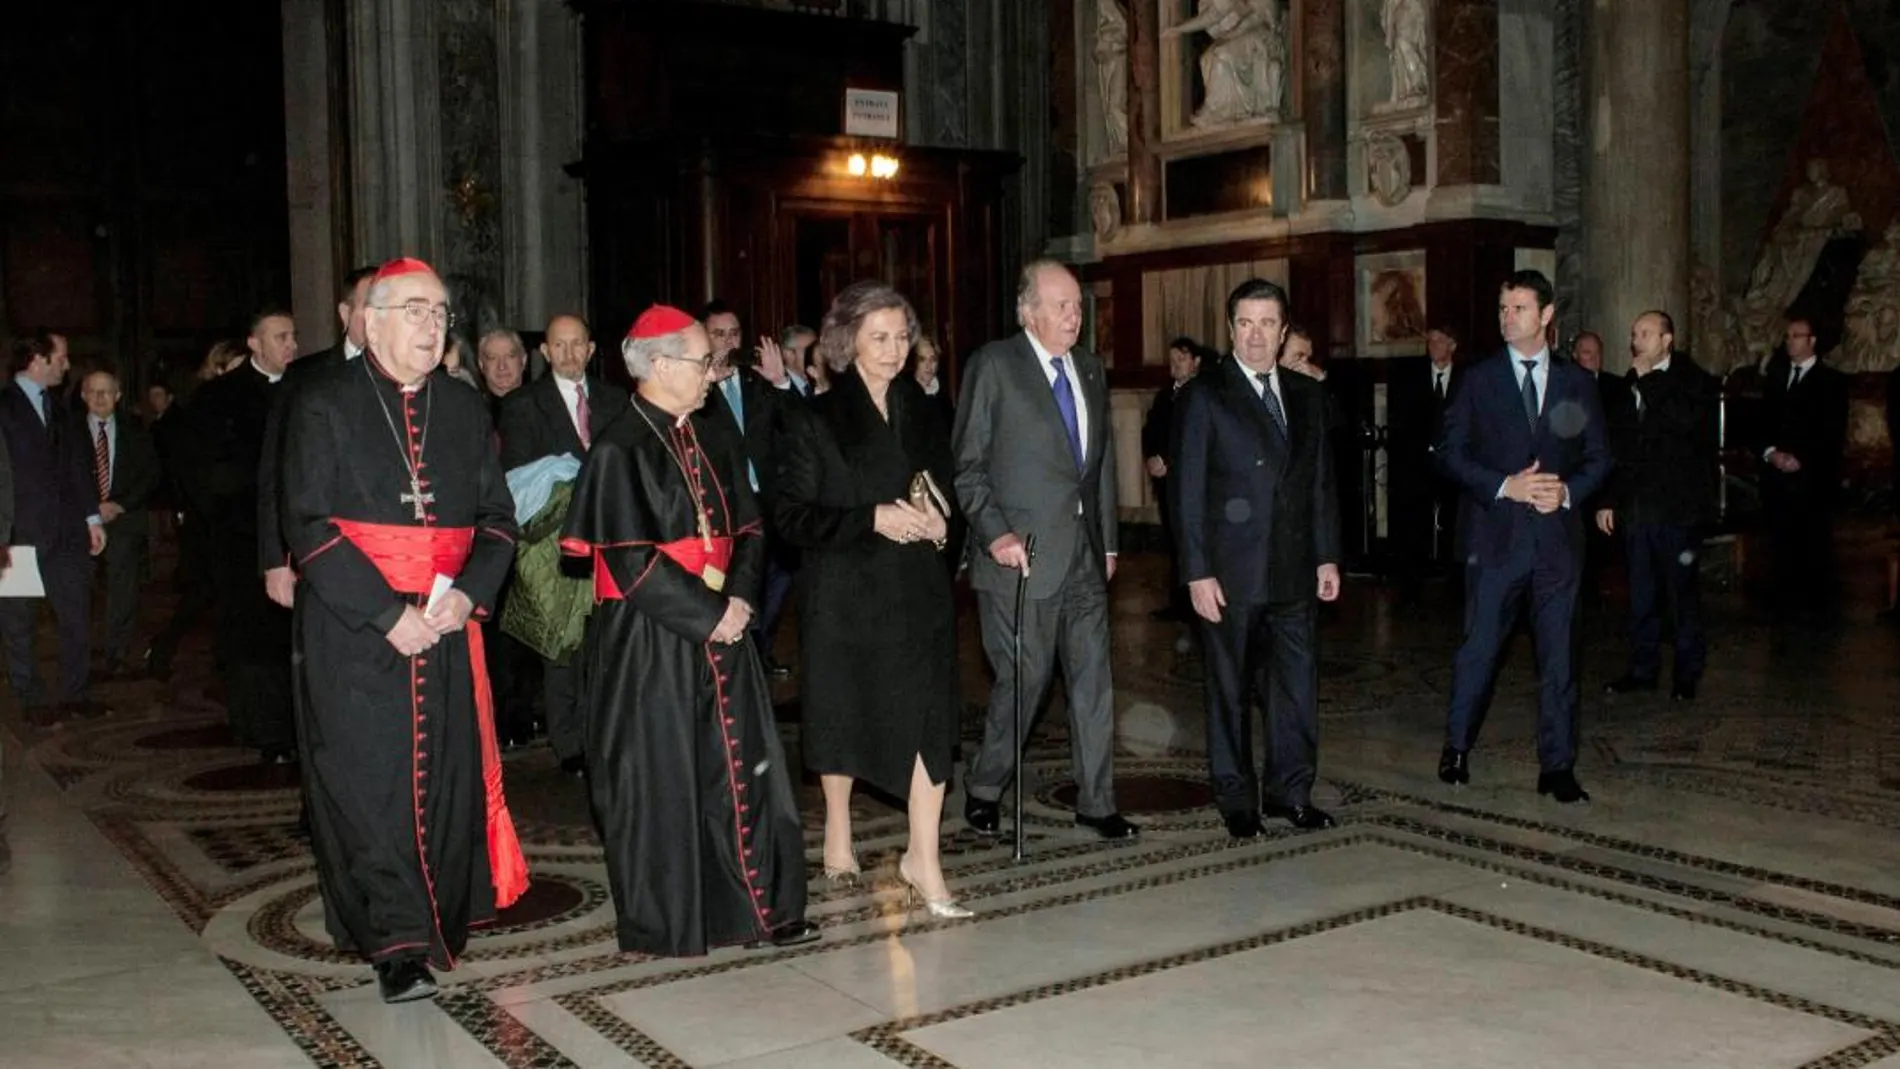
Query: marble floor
point(1730, 899)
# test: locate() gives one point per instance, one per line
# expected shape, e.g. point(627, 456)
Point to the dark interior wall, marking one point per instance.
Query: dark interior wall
point(142, 181)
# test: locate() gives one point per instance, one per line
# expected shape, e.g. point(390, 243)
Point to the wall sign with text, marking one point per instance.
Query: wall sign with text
point(871, 113)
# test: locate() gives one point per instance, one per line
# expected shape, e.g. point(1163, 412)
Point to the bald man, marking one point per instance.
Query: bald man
point(560, 413)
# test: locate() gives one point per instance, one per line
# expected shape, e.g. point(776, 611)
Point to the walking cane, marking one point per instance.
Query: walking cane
point(1022, 589)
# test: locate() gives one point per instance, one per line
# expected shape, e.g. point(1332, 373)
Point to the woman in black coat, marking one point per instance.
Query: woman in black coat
point(877, 626)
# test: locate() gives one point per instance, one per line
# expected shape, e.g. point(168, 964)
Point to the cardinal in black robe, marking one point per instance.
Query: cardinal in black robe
point(689, 785)
point(400, 521)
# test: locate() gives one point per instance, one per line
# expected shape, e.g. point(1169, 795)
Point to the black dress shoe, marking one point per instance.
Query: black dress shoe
point(1683, 691)
point(1112, 826)
point(775, 670)
point(1630, 684)
point(1454, 766)
point(1241, 824)
point(404, 980)
point(575, 766)
point(794, 933)
point(1562, 785)
point(1304, 817)
point(984, 818)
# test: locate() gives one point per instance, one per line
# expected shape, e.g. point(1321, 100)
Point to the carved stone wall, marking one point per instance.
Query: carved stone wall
point(468, 199)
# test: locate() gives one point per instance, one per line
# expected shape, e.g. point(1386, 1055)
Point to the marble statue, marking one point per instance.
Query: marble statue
point(1817, 213)
point(1871, 340)
point(1243, 69)
point(1105, 211)
point(1111, 73)
point(1404, 23)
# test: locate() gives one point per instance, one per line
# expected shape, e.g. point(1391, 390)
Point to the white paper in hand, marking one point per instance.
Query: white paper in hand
point(21, 577)
point(443, 584)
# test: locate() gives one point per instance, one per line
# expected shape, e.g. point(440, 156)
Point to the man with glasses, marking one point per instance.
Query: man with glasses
point(403, 528)
point(223, 473)
point(1802, 432)
point(689, 784)
point(559, 414)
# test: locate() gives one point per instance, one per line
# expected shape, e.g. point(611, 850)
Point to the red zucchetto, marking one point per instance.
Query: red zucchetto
point(659, 321)
point(405, 265)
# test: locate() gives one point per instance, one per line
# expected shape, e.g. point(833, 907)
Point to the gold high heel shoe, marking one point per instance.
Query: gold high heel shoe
point(940, 908)
point(842, 877)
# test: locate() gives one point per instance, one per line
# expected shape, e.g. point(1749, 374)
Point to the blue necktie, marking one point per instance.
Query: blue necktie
point(1065, 404)
point(737, 402)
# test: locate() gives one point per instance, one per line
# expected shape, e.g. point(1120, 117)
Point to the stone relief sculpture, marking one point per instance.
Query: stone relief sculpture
point(1710, 327)
point(1871, 340)
point(1243, 70)
point(1111, 74)
point(1388, 170)
point(1817, 213)
point(1404, 23)
point(1105, 211)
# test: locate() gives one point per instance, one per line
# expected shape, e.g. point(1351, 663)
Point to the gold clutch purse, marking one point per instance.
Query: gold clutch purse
point(925, 495)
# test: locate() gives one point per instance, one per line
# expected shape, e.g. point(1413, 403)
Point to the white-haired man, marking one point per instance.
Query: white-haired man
point(689, 784)
point(402, 529)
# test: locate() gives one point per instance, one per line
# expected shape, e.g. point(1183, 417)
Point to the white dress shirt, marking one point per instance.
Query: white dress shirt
point(1540, 374)
point(570, 398)
point(1044, 357)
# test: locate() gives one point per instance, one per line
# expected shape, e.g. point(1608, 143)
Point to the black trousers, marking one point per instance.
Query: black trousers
point(1665, 560)
point(67, 576)
point(1267, 653)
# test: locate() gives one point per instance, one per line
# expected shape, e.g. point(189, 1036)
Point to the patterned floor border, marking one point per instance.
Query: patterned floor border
point(889, 1040)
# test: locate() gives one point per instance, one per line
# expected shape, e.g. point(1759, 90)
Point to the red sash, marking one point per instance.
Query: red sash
point(691, 554)
point(409, 559)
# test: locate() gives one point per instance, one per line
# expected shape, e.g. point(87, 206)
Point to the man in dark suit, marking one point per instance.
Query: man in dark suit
point(280, 579)
point(6, 541)
point(752, 386)
point(560, 413)
point(1157, 445)
point(1422, 505)
point(56, 511)
point(125, 467)
point(1664, 433)
point(1524, 439)
point(1257, 518)
point(1035, 458)
point(1802, 432)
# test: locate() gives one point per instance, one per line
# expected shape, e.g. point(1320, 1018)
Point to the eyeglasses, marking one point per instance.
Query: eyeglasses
point(416, 313)
point(704, 363)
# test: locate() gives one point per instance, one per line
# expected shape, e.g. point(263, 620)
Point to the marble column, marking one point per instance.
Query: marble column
point(1466, 107)
point(395, 129)
point(543, 218)
point(468, 196)
point(318, 202)
point(1144, 111)
point(1636, 169)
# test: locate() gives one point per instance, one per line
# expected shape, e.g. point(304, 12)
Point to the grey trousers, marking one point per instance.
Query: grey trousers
point(1071, 624)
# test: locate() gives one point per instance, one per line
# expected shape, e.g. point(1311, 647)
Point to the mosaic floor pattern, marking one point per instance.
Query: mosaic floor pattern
point(1730, 899)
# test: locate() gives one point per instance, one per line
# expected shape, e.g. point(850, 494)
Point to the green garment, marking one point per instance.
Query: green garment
point(546, 608)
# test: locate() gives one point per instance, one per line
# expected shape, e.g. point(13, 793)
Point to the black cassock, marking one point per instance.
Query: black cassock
point(688, 778)
point(218, 469)
point(392, 746)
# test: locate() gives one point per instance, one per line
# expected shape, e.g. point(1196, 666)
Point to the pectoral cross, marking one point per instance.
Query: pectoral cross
point(418, 498)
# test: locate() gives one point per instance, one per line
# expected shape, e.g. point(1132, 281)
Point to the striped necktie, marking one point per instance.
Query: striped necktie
point(102, 462)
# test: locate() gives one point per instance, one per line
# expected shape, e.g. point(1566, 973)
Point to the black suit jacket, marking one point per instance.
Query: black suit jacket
point(53, 487)
point(1666, 455)
point(136, 475)
point(1893, 433)
point(1487, 439)
point(1157, 430)
point(1414, 418)
point(1809, 422)
point(272, 550)
point(765, 405)
point(535, 423)
point(1253, 509)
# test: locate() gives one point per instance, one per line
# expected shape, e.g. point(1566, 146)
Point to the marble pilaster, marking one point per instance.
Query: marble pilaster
point(1144, 112)
point(1567, 160)
point(1707, 23)
point(1466, 106)
point(471, 257)
point(543, 216)
point(1323, 107)
point(1636, 176)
